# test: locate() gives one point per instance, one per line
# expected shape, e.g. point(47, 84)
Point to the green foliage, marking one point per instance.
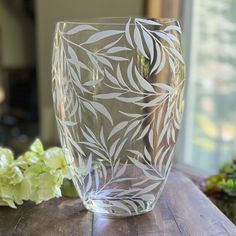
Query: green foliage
point(37, 175)
point(224, 182)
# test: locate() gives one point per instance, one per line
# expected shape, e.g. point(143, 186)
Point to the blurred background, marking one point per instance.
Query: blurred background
point(208, 135)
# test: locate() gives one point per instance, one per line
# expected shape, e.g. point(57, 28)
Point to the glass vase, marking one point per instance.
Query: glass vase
point(118, 98)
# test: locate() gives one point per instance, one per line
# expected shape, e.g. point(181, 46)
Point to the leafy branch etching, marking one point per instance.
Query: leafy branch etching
point(159, 107)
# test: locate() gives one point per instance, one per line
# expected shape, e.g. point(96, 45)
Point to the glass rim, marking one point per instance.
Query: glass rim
point(108, 21)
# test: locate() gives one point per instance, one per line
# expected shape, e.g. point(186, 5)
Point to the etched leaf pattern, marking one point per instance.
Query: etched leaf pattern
point(158, 124)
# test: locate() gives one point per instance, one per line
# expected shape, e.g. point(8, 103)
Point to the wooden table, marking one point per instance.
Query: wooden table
point(181, 210)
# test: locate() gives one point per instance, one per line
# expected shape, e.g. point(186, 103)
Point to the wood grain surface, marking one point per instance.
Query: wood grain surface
point(181, 210)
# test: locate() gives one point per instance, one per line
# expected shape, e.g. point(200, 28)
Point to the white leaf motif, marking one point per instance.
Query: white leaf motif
point(138, 164)
point(158, 155)
point(80, 28)
point(113, 147)
point(148, 197)
point(116, 58)
point(136, 131)
point(88, 138)
point(94, 62)
point(154, 102)
point(98, 153)
point(82, 65)
point(173, 27)
point(130, 76)
point(88, 144)
point(116, 166)
point(104, 170)
point(121, 206)
point(89, 165)
point(150, 138)
point(165, 38)
point(144, 132)
point(145, 85)
point(108, 95)
point(173, 134)
point(129, 99)
point(123, 179)
point(77, 147)
point(69, 123)
point(158, 121)
point(117, 128)
point(148, 189)
point(104, 61)
point(127, 33)
point(169, 161)
point(102, 137)
point(140, 203)
point(73, 55)
point(152, 177)
point(90, 132)
point(96, 178)
point(74, 110)
point(111, 77)
point(101, 35)
point(139, 154)
point(162, 64)
point(133, 205)
point(121, 170)
point(118, 49)
point(164, 87)
point(162, 158)
point(89, 183)
point(130, 114)
point(172, 65)
point(158, 58)
point(119, 149)
point(120, 77)
point(128, 192)
point(112, 43)
point(141, 182)
point(147, 154)
point(149, 22)
point(150, 45)
point(92, 82)
point(132, 126)
point(138, 41)
point(102, 109)
point(90, 108)
point(177, 54)
point(75, 78)
point(173, 38)
point(163, 132)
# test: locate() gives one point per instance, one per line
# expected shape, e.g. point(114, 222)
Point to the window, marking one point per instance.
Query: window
point(210, 116)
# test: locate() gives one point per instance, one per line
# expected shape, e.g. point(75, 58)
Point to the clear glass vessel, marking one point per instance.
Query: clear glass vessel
point(118, 97)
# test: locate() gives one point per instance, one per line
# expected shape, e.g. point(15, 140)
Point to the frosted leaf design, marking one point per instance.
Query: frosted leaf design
point(101, 69)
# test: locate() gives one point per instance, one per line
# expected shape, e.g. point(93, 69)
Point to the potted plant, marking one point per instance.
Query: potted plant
point(221, 189)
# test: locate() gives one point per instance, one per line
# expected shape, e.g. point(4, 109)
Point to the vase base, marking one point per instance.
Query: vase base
point(125, 199)
point(119, 208)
